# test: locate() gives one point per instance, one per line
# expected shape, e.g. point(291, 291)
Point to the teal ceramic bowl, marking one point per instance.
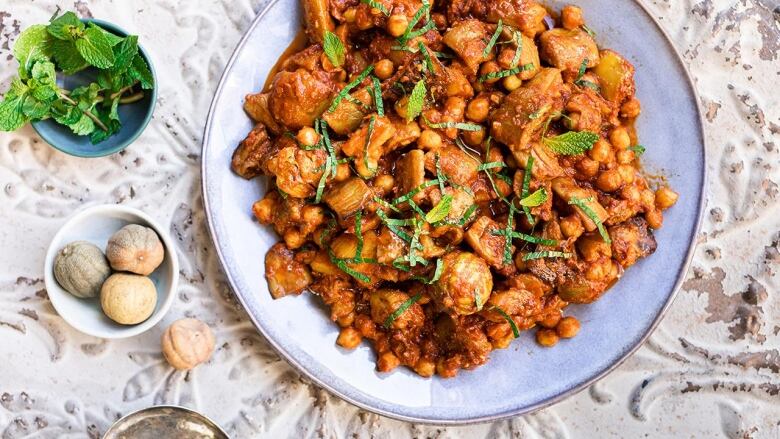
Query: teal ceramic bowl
point(134, 116)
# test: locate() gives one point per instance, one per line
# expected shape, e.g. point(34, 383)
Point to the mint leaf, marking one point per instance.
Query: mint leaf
point(124, 53)
point(334, 48)
point(67, 56)
point(31, 46)
point(35, 109)
point(535, 199)
point(106, 115)
point(571, 143)
point(416, 100)
point(114, 112)
point(140, 72)
point(83, 126)
point(113, 40)
point(65, 113)
point(638, 149)
point(440, 211)
point(66, 27)
point(95, 48)
point(86, 96)
point(11, 113)
point(44, 72)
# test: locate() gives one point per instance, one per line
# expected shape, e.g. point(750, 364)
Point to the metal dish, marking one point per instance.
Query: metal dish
point(165, 421)
point(524, 377)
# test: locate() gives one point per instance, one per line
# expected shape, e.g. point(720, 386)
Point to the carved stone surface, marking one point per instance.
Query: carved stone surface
point(712, 369)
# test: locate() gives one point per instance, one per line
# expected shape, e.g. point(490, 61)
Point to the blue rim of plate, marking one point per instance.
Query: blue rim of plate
point(481, 419)
point(102, 153)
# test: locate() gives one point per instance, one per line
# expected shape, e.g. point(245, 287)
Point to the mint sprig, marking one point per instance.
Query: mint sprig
point(68, 45)
point(572, 142)
point(334, 49)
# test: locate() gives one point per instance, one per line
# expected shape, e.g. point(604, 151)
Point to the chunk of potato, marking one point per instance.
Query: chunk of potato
point(512, 123)
point(348, 197)
point(468, 39)
point(616, 75)
point(566, 49)
point(368, 147)
point(316, 18)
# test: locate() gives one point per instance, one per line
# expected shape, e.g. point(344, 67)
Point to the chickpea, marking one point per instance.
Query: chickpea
point(342, 172)
point(631, 193)
point(665, 198)
point(445, 369)
point(397, 24)
point(326, 64)
point(365, 326)
point(429, 140)
point(264, 209)
point(478, 109)
point(572, 121)
point(505, 57)
point(455, 106)
point(473, 138)
point(655, 218)
point(571, 17)
point(571, 226)
point(588, 167)
point(387, 361)
point(346, 320)
point(601, 151)
point(627, 173)
point(313, 214)
point(383, 68)
point(440, 20)
point(384, 182)
point(512, 83)
point(609, 181)
point(307, 136)
point(425, 368)
point(401, 106)
point(293, 238)
point(631, 108)
point(625, 156)
point(550, 321)
point(619, 138)
point(349, 338)
point(568, 327)
point(647, 198)
point(546, 337)
point(603, 270)
point(350, 14)
point(489, 67)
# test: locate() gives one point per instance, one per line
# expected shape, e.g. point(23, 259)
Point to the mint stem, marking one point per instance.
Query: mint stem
point(132, 98)
point(89, 114)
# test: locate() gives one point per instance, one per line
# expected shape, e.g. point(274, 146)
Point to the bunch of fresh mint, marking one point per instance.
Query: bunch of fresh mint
point(69, 46)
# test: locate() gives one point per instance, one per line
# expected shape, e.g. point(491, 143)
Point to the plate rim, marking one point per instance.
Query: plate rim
point(684, 269)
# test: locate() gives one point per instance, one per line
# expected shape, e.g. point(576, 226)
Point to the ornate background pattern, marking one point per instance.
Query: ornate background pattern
point(712, 369)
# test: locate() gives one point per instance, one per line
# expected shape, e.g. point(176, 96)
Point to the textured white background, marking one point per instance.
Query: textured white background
point(712, 369)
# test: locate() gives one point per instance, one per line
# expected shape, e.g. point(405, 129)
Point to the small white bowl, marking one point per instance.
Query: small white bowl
point(96, 225)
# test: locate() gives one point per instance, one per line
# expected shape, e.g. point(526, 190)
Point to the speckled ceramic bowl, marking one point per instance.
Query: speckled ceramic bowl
point(524, 377)
point(96, 224)
point(134, 117)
